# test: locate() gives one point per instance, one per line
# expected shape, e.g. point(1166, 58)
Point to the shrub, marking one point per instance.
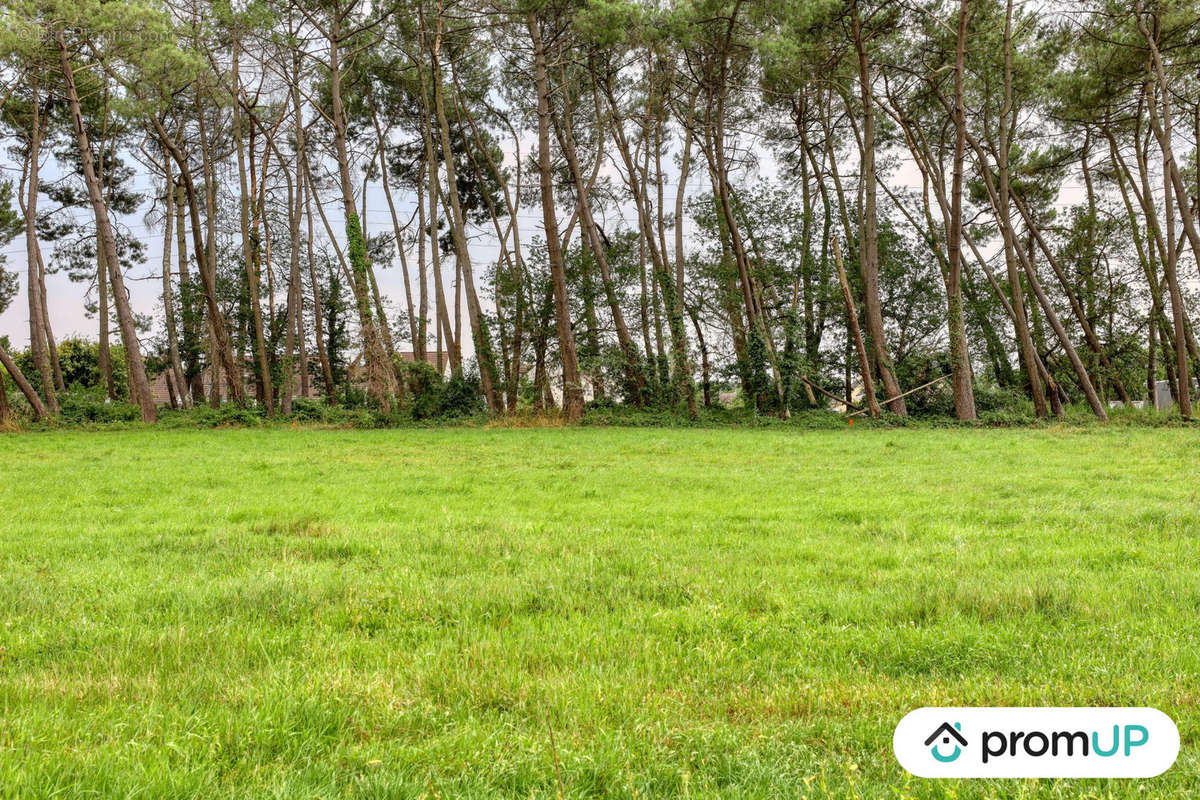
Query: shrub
point(227, 415)
point(423, 387)
point(995, 399)
point(354, 397)
point(80, 363)
point(91, 405)
point(429, 396)
point(461, 397)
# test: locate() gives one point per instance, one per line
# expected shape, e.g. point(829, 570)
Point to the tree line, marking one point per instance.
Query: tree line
point(850, 201)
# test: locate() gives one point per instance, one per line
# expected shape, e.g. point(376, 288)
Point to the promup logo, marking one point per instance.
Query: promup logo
point(946, 732)
point(1036, 742)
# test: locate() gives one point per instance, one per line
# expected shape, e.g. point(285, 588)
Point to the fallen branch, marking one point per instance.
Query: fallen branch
point(844, 401)
point(910, 391)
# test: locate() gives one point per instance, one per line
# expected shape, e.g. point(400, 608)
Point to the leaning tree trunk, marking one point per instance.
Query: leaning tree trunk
point(634, 378)
point(35, 402)
point(385, 179)
point(204, 253)
point(37, 321)
point(852, 329)
point(442, 325)
point(1173, 189)
point(50, 344)
point(1081, 315)
point(221, 342)
point(669, 284)
point(488, 375)
point(1162, 131)
point(1043, 300)
point(318, 321)
point(133, 353)
point(189, 319)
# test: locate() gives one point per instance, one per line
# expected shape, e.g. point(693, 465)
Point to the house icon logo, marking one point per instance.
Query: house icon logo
point(945, 732)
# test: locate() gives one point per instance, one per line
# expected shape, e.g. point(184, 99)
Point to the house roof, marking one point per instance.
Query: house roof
point(431, 356)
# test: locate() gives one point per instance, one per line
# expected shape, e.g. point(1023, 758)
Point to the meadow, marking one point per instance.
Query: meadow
point(578, 612)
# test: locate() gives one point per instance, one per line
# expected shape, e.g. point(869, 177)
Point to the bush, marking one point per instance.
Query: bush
point(227, 415)
point(80, 363)
point(429, 396)
point(423, 387)
point(353, 397)
point(1011, 402)
point(306, 409)
point(91, 405)
point(461, 397)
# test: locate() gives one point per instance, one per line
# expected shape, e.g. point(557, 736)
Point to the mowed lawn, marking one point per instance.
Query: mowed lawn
point(578, 612)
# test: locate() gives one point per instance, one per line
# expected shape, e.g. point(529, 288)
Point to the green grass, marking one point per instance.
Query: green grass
point(591, 612)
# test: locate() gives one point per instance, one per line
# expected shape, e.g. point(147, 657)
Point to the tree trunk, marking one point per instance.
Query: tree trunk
point(205, 253)
point(1019, 316)
point(1178, 372)
point(572, 388)
point(1162, 131)
point(381, 377)
point(1081, 372)
point(705, 372)
point(250, 243)
point(421, 343)
point(1038, 366)
point(442, 326)
point(5, 408)
point(104, 352)
point(488, 376)
point(133, 353)
point(1089, 334)
point(295, 295)
point(35, 402)
point(964, 395)
point(59, 385)
point(176, 365)
point(869, 255)
point(37, 322)
point(399, 233)
point(635, 379)
point(318, 324)
point(856, 333)
point(187, 303)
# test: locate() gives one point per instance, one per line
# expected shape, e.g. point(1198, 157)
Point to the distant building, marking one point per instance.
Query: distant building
point(357, 372)
point(160, 390)
point(1163, 399)
point(431, 357)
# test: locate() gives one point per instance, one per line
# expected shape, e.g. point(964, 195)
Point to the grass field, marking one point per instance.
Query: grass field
point(578, 612)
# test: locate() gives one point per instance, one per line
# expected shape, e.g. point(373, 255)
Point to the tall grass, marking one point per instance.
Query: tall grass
point(580, 611)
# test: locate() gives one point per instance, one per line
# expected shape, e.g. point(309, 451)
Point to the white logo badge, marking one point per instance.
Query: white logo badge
point(1036, 742)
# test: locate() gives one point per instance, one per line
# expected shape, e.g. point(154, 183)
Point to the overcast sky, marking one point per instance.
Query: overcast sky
point(65, 298)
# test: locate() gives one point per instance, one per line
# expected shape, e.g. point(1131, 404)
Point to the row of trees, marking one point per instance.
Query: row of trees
point(807, 200)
